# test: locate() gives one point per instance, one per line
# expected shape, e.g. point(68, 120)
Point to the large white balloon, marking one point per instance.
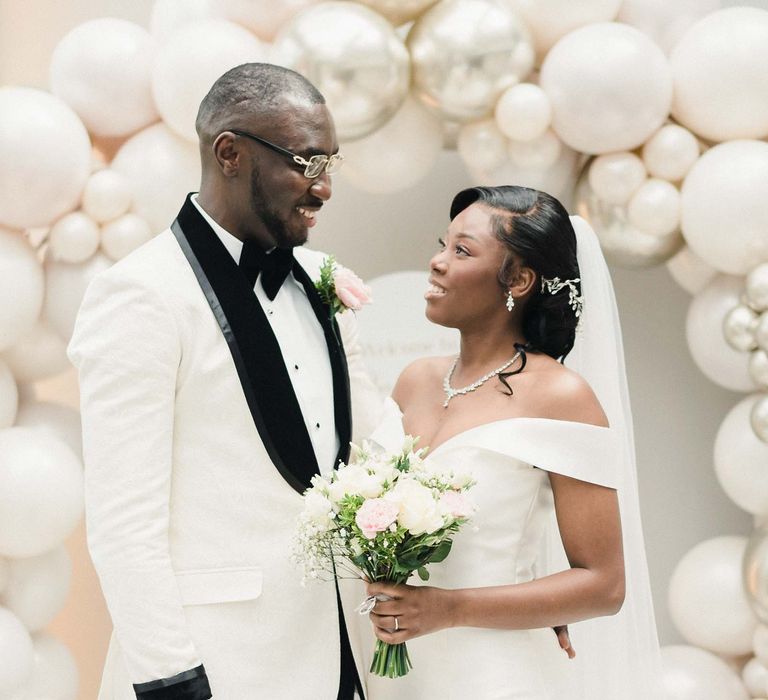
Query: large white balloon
point(73, 238)
point(707, 600)
point(9, 397)
point(37, 587)
point(162, 168)
point(61, 422)
point(107, 195)
point(123, 235)
point(607, 100)
point(54, 674)
point(65, 285)
point(690, 271)
point(190, 61)
point(102, 70)
point(704, 330)
point(38, 354)
point(724, 207)
point(670, 152)
point(694, 674)
point(721, 90)
point(21, 279)
point(45, 157)
point(482, 145)
point(41, 492)
point(396, 156)
point(15, 651)
point(263, 17)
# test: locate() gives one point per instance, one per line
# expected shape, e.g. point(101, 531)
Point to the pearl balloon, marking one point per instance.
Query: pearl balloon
point(720, 93)
point(190, 61)
point(755, 677)
point(9, 397)
point(465, 53)
point(670, 152)
point(56, 420)
point(263, 17)
point(74, 238)
point(523, 112)
point(739, 328)
point(123, 235)
point(107, 195)
point(724, 192)
point(539, 153)
point(708, 578)
point(399, 11)
point(758, 368)
point(54, 675)
point(655, 208)
point(161, 169)
point(482, 145)
point(45, 157)
point(757, 287)
point(169, 15)
point(38, 354)
point(15, 651)
point(101, 69)
point(690, 271)
point(721, 364)
point(396, 156)
point(695, 674)
point(615, 177)
point(357, 61)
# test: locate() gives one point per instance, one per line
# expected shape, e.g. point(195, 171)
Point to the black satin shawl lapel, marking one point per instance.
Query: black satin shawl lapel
point(254, 348)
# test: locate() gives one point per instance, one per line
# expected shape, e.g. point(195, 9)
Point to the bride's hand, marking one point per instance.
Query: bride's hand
point(411, 612)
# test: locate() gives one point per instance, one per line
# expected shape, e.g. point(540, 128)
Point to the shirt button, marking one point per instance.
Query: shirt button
point(269, 312)
point(295, 366)
point(317, 425)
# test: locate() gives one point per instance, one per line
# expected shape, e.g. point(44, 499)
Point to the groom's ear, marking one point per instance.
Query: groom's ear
point(227, 154)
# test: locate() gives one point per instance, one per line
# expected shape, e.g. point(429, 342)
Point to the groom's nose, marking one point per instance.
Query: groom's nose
point(322, 187)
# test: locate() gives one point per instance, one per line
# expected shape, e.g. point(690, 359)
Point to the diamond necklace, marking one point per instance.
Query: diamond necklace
point(450, 392)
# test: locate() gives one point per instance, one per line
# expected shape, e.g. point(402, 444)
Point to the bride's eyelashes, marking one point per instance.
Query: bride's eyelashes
point(460, 250)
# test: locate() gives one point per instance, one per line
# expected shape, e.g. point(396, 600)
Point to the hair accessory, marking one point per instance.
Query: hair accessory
point(554, 285)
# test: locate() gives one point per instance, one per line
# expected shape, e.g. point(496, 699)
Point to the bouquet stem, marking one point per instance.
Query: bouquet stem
point(390, 660)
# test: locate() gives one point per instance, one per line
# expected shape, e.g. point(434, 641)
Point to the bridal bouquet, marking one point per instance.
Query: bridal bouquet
point(383, 516)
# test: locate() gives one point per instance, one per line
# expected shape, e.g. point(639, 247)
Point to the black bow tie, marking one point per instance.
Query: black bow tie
point(274, 267)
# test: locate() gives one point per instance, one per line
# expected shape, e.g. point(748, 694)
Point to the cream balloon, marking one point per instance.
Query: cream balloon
point(74, 238)
point(45, 157)
point(38, 354)
point(61, 422)
point(670, 152)
point(690, 271)
point(21, 279)
point(695, 674)
point(9, 397)
point(357, 61)
point(655, 208)
point(720, 93)
point(123, 235)
point(755, 677)
point(54, 674)
point(615, 177)
point(740, 458)
point(721, 364)
point(465, 53)
point(482, 145)
point(607, 100)
point(16, 652)
point(708, 578)
point(38, 587)
point(523, 112)
point(101, 69)
point(106, 196)
point(396, 156)
point(739, 328)
point(190, 61)
point(162, 169)
point(538, 154)
point(399, 11)
point(757, 287)
point(726, 186)
point(263, 17)
point(65, 287)
point(167, 16)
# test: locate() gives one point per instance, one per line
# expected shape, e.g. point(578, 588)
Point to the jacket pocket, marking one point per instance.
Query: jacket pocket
point(206, 586)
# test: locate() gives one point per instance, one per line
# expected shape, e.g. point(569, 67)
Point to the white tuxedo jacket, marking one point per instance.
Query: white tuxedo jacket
point(190, 511)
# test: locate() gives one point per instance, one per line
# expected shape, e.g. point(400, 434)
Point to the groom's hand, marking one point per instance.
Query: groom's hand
point(564, 639)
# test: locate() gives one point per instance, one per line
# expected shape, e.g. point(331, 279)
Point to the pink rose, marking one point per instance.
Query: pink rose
point(455, 504)
point(350, 289)
point(376, 515)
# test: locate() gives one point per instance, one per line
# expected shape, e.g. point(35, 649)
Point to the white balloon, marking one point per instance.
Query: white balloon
point(539, 153)
point(720, 93)
point(607, 100)
point(169, 15)
point(713, 356)
point(21, 279)
point(106, 196)
point(728, 181)
point(523, 112)
point(45, 157)
point(61, 422)
point(38, 354)
point(690, 271)
point(162, 169)
point(695, 674)
point(482, 145)
point(15, 651)
point(760, 643)
point(38, 587)
point(758, 367)
point(670, 152)
point(9, 396)
point(41, 492)
point(65, 285)
point(189, 63)
point(757, 287)
point(263, 17)
point(755, 677)
point(123, 235)
point(54, 675)
point(396, 156)
point(655, 207)
point(707, 600)
point(102, 70)
point(74, 238)
point(615, 177)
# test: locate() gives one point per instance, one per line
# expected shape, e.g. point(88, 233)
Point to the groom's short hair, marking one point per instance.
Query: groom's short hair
point(255, 88)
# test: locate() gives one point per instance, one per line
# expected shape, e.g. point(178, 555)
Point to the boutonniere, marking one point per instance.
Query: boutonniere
point(340, 288)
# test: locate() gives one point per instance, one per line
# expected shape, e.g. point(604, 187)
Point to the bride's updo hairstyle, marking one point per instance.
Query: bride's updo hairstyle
point(534, 227)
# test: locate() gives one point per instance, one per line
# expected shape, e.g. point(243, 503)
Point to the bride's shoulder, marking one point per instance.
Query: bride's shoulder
point(424, 372)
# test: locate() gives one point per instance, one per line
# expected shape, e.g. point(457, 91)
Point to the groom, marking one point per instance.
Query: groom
point(214, 384)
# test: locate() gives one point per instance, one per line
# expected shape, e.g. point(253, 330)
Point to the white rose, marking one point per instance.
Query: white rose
point(318, 509)
point(356, 480)
point(419, 511)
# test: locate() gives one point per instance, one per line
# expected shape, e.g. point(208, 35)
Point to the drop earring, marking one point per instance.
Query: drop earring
point(510, 302)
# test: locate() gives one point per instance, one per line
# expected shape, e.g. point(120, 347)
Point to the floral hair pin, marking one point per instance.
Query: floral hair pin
point(554, 285)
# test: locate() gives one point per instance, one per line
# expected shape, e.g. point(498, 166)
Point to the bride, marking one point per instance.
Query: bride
point(557, 538)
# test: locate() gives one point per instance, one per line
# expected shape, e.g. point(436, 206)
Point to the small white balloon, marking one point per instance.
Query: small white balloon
point(106, 196)
point(482, 145)
point(9, 397)
point(539, 153)
point(54, 675)
point(61, 422)
point(124, 235)
point(755, 677)
point(757, 287)
point(758, 368)
point(690, 673)
point(263, 17)
point(615, 177)
point(523, 112)
point(38, 354)
point(74, 238)
point(16, 651)
point(739, 328)
point(690, 271)
point(670, 152)
point(655, 207)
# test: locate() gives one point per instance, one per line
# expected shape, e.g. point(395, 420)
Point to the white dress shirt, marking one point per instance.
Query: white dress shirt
point(302, 343)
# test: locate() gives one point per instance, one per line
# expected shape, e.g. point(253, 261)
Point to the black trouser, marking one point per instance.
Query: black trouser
point(349, 681)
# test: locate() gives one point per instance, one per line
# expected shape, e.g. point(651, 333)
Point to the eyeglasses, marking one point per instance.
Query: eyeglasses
point(313, 167)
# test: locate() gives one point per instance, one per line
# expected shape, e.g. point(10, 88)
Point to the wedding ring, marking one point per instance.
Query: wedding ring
point(397, 625)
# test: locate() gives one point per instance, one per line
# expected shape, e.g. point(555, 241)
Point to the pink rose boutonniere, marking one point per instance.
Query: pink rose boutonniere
point(340, 288)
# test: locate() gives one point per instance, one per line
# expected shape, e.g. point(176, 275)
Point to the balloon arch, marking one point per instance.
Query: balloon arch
point(649, 115)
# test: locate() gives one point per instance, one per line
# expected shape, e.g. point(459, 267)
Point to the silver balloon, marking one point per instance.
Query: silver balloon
point(399, 11)
point(622, 243)
point(354, 57)
point(758, 367)
point(739, 328)
point(755, 571)
point(758, 417)
point(761, 331)
point(465, 53)
point(757, 288)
